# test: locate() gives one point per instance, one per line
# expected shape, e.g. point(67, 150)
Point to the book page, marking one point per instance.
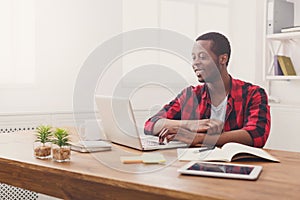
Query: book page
point(231, 149)
point(226, 153)
point(216, 154)
point(188, 154)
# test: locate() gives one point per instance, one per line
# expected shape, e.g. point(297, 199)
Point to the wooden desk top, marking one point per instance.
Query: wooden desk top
point(102, 176)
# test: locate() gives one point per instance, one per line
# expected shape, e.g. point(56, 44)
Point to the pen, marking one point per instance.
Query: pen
point(205, 149)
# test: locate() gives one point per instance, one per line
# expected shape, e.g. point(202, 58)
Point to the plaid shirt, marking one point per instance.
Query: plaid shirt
point(247, 109)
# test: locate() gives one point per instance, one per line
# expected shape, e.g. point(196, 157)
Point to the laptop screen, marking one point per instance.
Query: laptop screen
point(118, 121)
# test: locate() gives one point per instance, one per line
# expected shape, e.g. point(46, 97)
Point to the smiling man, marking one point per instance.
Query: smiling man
point(220, 109)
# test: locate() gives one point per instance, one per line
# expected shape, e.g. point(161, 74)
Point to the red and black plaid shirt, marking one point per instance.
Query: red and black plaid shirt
point(247, 109)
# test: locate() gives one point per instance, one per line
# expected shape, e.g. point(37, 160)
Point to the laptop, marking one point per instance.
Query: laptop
point(120, 126)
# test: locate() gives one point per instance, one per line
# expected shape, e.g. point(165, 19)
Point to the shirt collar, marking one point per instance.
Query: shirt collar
point(232, 86)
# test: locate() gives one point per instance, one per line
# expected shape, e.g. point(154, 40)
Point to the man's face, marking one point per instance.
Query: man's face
point(205, 62)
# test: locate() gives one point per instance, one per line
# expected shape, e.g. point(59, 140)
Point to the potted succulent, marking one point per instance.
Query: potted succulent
point(61, 150)
point(42, 145)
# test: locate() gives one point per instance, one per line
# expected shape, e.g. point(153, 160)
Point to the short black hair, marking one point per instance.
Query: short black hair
point(220, 43)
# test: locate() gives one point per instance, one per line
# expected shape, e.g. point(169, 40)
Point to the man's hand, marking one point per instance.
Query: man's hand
point(210, 126)
point(215, 127)
point(191, 131)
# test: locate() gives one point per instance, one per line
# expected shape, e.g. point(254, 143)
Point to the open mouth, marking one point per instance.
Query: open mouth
point(198, 72)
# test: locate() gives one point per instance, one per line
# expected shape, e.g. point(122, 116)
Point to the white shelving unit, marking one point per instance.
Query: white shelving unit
point(278, 44)
point(282, 78)
point(283, 91)
point(284, 36)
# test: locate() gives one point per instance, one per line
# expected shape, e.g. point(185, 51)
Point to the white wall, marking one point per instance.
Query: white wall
point(284, 128)
point(243, 39)
point(66, 32)
point(237, 19)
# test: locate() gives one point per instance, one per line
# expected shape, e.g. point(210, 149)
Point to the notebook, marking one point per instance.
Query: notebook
point(90, 146)
point(121, 128)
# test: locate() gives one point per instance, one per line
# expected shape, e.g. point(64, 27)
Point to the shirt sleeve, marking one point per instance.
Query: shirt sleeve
point(169, 111)
point(258, 119)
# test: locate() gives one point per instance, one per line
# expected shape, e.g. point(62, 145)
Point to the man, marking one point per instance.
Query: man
point(220, 110)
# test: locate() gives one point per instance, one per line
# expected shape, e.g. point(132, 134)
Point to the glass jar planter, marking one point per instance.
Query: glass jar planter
point(61, 154)
point(42, 150)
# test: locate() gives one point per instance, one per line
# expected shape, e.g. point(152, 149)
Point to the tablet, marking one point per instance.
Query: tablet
point(223, 170)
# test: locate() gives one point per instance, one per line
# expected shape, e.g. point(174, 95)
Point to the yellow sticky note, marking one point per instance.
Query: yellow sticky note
point(147, 158)
point(153, 158)
point(131, 159)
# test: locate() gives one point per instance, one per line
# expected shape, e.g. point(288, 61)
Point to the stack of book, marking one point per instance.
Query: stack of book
point(283, 65)
point(90, 146)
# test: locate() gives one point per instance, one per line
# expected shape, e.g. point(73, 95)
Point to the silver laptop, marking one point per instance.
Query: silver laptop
point(120, 126)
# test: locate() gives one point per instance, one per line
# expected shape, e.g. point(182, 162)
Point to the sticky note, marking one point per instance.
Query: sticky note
point(147, 158)
point(153, 158)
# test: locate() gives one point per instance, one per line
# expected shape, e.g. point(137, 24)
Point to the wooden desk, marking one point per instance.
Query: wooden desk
point(87, 176)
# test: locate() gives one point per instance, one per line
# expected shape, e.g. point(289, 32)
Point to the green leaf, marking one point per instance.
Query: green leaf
point(43, 133)
point(61, 137)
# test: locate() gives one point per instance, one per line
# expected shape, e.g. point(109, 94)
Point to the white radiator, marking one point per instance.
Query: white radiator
point(8, 192)
point(285, 134)
point(10, 123)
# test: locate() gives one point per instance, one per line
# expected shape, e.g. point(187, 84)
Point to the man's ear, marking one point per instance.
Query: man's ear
point(223, 59)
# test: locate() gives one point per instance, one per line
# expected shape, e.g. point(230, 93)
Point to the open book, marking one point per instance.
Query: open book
point(229, 152)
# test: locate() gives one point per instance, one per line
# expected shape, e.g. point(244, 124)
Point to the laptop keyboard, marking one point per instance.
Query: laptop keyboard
point(151, 143)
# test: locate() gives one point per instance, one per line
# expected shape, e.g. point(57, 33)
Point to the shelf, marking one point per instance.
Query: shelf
point(284, 36)
point(286, 78)
point(285, 106)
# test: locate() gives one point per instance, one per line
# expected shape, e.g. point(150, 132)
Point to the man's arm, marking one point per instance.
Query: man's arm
point(200, 132)
point(258, 119)
point(239, 136)
point(170, 111)
point(198, 126)
point(255, 129)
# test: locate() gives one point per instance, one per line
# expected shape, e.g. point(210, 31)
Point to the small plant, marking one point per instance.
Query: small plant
point(61, 151)
point(43, 134)
point(61, 137)
point(42, 145)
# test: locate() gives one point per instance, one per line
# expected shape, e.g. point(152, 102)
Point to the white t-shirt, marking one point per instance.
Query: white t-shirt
point(219, 112)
